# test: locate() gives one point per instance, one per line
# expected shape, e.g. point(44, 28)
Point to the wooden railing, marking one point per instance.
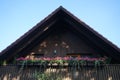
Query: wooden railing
point(52, 72)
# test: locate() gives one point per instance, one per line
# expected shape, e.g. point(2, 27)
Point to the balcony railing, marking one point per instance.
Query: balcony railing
point(58, 72)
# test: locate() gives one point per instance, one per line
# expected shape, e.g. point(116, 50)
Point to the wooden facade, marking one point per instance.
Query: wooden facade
point(62, 41)
point(61, 34)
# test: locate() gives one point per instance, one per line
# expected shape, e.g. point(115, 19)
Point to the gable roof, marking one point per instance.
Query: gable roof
point(60, 14)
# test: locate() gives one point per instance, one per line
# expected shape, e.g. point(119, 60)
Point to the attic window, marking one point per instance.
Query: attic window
point(45, 29)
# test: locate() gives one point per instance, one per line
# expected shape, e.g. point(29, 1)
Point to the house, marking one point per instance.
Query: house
point(61, 34)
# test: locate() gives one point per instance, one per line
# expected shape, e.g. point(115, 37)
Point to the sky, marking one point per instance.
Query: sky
point(19, 16)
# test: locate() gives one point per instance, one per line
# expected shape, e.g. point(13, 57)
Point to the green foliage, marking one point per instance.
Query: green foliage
point(22, 66)
point(82, 62)
point(4, 62)
point(98, 63)
point(45, 76)
point(59, 62)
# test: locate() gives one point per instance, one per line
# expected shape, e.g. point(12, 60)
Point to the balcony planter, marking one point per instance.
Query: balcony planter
point(59, 61)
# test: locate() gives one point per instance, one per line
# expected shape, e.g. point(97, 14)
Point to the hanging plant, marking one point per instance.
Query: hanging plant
point(62, 60)
point(82, 62)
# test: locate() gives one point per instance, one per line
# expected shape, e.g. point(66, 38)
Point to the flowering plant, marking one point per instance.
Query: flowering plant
point(62, 60)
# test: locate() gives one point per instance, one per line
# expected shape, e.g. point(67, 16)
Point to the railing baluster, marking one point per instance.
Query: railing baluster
point(74, 72)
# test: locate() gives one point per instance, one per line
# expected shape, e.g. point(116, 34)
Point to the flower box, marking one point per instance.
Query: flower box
point(61, 61)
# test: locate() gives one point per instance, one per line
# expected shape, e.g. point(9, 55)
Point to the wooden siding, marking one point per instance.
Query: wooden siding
point(107, 72)
point(62, 41)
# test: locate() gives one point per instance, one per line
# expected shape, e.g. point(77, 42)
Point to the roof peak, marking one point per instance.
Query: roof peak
point(61, 7)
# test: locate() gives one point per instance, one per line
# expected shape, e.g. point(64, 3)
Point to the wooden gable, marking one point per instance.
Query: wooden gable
point(61, 34)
